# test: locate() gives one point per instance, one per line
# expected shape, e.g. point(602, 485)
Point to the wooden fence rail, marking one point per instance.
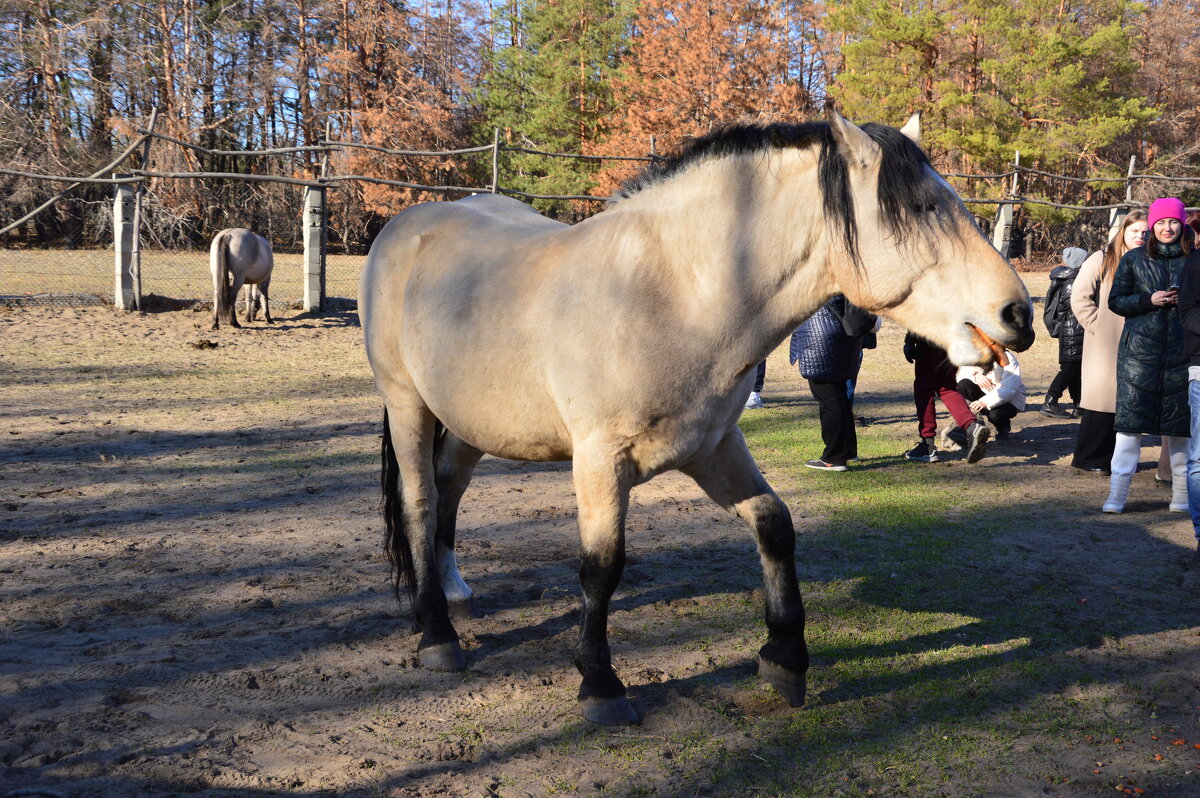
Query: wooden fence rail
point(131, 185)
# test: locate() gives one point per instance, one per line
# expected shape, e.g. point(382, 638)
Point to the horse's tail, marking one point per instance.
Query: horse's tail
point(219, 255)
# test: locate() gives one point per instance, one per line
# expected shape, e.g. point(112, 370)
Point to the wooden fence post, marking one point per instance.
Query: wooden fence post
point(495, 160)
point(136, 266)
point(314, 248)
point(123, 293)
point(1116, 217)
point(1002, 230)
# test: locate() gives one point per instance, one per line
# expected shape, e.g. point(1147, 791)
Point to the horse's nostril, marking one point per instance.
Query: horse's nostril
point(1016, 316)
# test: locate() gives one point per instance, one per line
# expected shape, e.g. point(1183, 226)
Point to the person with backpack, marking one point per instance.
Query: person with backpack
point(1061, 323)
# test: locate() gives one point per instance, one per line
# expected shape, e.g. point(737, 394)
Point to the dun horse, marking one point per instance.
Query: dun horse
point(237, 256)
point(627, 344)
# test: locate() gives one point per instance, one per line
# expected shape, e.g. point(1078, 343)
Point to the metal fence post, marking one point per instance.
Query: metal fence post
point(123, 289)
point(314, 248)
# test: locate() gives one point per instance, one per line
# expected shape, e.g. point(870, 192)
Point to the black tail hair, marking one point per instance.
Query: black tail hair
point(222, 297)
point(395, 537)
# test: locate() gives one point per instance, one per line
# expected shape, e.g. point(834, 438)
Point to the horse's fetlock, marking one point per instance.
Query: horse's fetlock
point(791, 654)
point(601, 683)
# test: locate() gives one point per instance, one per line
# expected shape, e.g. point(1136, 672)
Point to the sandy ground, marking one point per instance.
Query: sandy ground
point(194, 599)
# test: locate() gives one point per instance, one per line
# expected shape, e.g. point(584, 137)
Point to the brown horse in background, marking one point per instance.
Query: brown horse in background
point(627, 344)
point(238, 256)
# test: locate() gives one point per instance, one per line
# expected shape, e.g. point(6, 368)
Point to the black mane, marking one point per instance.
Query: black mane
point(906, 196)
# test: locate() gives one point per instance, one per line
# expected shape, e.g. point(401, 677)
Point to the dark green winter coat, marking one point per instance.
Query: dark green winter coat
point(1152, 379)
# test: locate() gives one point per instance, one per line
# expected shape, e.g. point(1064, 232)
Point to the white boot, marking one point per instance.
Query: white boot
point(1118, 492)
point(1179, 495)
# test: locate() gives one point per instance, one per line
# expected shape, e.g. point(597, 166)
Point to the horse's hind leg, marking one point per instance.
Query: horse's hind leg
point(733, 480)
point(455, 461)
point(410, 501)
point(251, 298)
point(266, 300)
point(233, 295)
point(602, 493)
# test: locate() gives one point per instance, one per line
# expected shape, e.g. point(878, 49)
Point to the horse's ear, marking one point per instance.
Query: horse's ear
point(855, 145)
point(912, 128)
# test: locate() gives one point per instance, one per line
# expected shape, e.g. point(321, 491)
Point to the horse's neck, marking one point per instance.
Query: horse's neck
point(744, 245)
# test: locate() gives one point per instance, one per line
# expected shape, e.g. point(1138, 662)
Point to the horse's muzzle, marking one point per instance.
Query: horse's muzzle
point(1017, 318)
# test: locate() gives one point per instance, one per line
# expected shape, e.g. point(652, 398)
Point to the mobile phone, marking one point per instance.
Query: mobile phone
point(1174, 287)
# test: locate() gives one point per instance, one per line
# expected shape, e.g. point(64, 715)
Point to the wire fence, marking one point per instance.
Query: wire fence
point(63, 249)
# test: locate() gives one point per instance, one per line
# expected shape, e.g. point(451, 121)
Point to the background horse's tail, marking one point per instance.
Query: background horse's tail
point(396, 544)
point(220, 269)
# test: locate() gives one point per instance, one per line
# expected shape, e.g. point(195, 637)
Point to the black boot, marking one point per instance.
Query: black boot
point(1050, 407)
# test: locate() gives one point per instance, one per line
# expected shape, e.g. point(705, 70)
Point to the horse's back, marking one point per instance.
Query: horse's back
point(444, 302)
point(249, 254)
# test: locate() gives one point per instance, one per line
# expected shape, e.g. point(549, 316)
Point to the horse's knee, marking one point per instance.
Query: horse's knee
point(772, 522)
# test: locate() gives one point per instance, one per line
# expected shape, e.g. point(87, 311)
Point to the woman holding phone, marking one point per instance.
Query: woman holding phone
point(1152, 389)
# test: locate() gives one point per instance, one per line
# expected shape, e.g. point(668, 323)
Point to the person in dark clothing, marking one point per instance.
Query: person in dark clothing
point(935, 376)
point(828, 349)
point(1189, 317)
point(760, 378)
point(1152, 374)
point(1062, 324)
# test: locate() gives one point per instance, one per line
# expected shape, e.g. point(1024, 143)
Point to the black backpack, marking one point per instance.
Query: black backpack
point(1050, 316)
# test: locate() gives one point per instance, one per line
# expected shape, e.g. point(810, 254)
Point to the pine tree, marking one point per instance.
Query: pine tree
point(550, 89)
point(994, 77)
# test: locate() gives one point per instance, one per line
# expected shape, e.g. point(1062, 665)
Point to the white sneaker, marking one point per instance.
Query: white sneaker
point(755, 401)
point(1118, 492)
point(1179, 496)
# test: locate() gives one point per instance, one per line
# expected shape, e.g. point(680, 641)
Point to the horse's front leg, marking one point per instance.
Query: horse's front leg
point(455, 463)
point(730, 476)
point(602, 493)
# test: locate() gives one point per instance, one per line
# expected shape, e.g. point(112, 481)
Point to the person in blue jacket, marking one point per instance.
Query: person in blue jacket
point(828, 348)
point(1189, 317)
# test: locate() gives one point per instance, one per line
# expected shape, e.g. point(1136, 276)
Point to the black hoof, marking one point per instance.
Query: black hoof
point(609, 711)
point(464, 609)
point(443, 657)
point(790, 684)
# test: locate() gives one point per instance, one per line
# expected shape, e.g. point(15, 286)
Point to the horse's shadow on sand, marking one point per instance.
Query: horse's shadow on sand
point(1037, 613)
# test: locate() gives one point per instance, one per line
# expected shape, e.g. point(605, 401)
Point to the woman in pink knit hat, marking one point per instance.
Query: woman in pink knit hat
point(1152, 389)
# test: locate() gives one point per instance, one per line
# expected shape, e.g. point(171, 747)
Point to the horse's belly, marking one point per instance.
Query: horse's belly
point(497, 426)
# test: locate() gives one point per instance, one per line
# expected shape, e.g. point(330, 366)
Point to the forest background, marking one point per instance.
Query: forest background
point(1075, 87)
